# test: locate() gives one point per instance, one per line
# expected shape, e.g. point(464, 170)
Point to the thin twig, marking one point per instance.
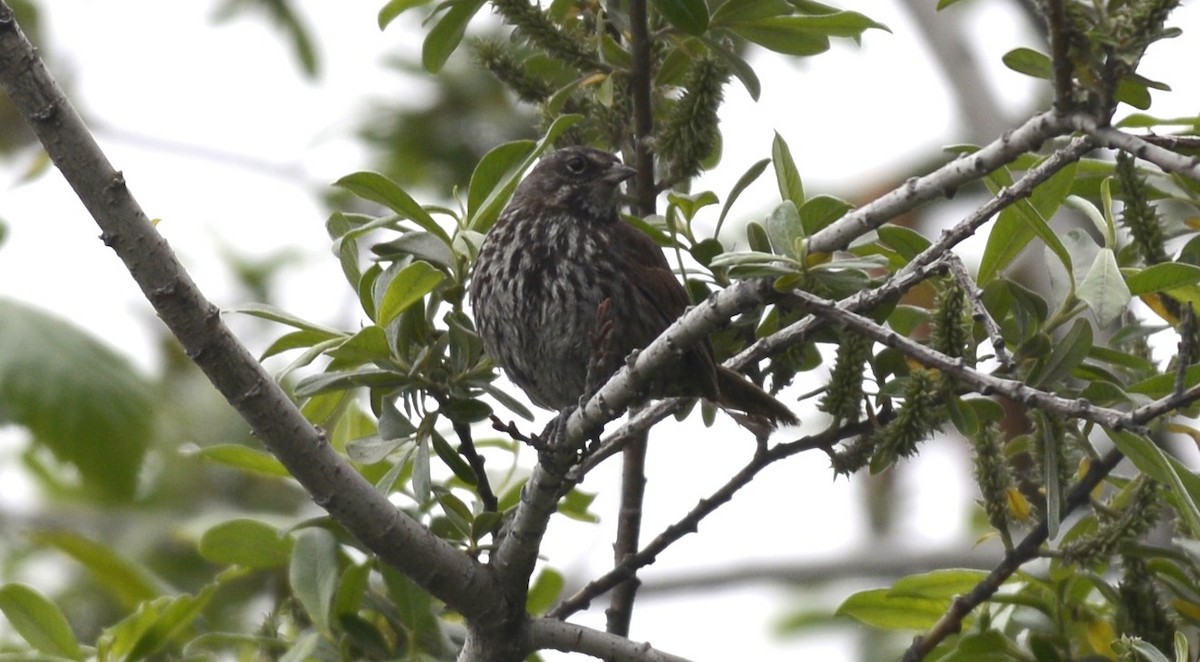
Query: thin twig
point(980, 312)
point(983, 383)
point(763, 457)
point(951, 622)
point(466, 448)
point(1056, 27)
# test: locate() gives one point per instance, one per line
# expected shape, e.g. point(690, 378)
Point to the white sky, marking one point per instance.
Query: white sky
point(160, 71)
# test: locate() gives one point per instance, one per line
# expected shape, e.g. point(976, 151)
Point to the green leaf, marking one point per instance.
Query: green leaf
point(787, 176)
point(497, 196)
point(39, 621)
point(575, 505)
point(408, 287)
point(741, 69)
point(453, 460)
point(785, 230)
point(1103, 289)
point(545, 591)
point(368, 345)
point(752, 173)
point(907, 242)
point(691, 203)
point(263, 311)
point(1144, 121)
point(377, 188)
point(414, 606)
point(731, 13)
point(691, 16)
point(295, 340)
point(155, 624)
point(1151, 460)
point(1021, 221)
point(314, 573)
point(1133, 93)
point(246, 542)
point(394, 8)
point(1067, 354)
point(1029, 62)
point(1162, 277)
point(943, 584)
point(339, 381)
point(821, 210)
point(878, 608)
point(501, 162)
point(510, 403)
point(244, 458)
point(128, 581)
point(78, 398)
point(419, 244)
point(445, 36)
point(803, 35)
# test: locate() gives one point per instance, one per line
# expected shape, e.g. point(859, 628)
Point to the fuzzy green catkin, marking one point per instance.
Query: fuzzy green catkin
point(1115, 531)
point(855, 454)
point(691, 130)
point(1139, 216)
point(509, 70)
point(915, 419)
point(994, 478)
point(1141, 612)
point(951, 324)
point(534, 25)
point(844, 395)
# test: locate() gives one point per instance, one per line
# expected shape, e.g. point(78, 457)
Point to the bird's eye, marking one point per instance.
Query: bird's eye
point(576, 164)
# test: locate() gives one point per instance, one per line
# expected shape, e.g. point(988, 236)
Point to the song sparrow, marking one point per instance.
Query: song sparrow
point(558, 251)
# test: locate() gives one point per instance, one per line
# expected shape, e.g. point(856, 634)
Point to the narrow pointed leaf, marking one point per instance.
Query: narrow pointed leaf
point(408, 287)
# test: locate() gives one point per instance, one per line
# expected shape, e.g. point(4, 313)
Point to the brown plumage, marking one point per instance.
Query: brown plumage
point(557, 252)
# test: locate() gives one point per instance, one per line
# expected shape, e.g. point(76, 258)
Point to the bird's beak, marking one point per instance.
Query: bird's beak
point(618, 173)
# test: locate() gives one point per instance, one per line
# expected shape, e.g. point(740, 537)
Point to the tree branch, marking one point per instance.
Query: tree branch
point(951, 622)
point(569, 637)
point(397, 539)
point(941, 182)
point(983, 383)
point(763, 457)
point(928, 261)
point(1107, 136)
point(633, 463)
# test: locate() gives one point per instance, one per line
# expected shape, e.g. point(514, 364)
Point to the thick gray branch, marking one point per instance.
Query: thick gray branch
point(1188, 166)
point(442, 570)
point(943, 181)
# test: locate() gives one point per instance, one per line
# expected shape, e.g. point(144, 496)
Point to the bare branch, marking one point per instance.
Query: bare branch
point(763, 458)
point(981, 314)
